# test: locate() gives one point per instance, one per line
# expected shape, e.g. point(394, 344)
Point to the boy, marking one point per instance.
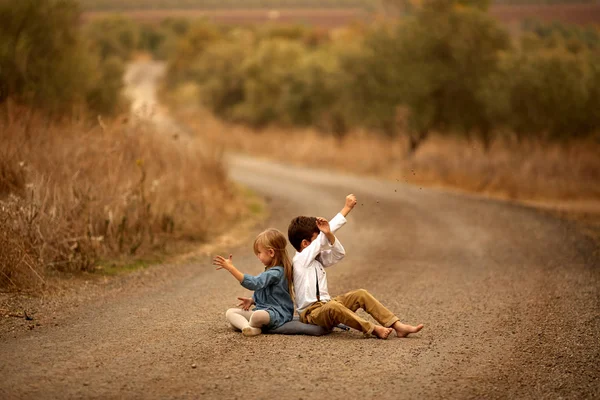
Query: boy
point(318, 248)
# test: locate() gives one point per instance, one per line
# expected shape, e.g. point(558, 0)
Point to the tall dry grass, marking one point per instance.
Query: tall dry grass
point(71, 193)
point(532, 171)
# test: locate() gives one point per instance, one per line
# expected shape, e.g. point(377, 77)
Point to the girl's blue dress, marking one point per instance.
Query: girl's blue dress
point(271, 294)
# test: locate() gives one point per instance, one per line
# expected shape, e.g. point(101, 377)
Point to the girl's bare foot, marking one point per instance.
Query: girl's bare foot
point(403, 330)
point(250, 331)
point(382, 332)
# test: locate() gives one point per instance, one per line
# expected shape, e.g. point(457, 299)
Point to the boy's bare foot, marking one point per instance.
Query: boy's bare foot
point(250, 331)
point(382, 332)
point(403, 330)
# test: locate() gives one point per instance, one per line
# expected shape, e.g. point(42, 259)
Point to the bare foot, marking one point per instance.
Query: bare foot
point(403, 330)
point(382, 332)
point(250, 331)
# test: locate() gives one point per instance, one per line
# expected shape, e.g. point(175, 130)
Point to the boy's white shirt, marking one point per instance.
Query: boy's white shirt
point(319, 254)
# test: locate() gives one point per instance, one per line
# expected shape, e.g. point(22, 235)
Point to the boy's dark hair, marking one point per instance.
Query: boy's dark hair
point(302, 228)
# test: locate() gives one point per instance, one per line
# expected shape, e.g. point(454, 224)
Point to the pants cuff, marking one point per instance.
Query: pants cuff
point(391, 321)
point(370, 331)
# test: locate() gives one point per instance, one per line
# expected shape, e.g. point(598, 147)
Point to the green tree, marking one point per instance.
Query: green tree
point(39, 61)
point(188, 49)
point(268, 72)
point(44, 61)
point(219, 73)
point(436, 63)
point(114, 36)
point(553, 94)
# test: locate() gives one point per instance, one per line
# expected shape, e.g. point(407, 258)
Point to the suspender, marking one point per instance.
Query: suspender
point(317, 276)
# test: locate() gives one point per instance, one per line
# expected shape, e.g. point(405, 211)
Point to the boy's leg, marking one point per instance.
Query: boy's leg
point(362, 299)
point(333, 312)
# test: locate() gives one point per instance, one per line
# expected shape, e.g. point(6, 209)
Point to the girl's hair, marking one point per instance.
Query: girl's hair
point(273, 239)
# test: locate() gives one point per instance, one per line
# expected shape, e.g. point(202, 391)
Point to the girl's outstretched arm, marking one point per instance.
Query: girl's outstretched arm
point(224, 263)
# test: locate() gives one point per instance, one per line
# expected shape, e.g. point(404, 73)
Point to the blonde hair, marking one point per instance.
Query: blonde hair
point(273, 239)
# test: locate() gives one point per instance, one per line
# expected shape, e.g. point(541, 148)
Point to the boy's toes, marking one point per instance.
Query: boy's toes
point(381, 332)
point(387, 333)
point(405, 330)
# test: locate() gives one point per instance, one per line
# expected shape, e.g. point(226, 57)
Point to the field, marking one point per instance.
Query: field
point(334, 17)
point(329, 18)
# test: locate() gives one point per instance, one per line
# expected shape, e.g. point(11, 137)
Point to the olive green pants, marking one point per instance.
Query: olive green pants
point(341, 310)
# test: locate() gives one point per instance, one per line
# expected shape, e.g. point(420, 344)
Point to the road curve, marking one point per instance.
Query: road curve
point(509, 298)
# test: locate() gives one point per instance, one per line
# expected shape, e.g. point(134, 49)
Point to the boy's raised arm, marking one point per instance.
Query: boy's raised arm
point(321, 243)
point(349, 205)
point(340, 219)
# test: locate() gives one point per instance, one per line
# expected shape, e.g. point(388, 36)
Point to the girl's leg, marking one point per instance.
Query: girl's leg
point(238, 318)
point(259, 319)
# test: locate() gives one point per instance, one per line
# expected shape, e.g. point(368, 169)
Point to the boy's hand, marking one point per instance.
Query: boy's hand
point(223, 263)
point(350, 201)
point(349, 205)
point(246, 303)
point(323, 225)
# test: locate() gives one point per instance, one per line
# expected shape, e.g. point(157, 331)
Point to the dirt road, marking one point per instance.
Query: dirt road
point(509, 298)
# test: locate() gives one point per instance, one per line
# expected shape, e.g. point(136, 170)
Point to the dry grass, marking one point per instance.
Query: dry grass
point(525, 172)
point(508, 14)
point(72, 193)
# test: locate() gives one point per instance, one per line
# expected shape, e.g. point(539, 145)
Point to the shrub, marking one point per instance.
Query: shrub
point(45, 63)
point(71, 194)
point(553, 93)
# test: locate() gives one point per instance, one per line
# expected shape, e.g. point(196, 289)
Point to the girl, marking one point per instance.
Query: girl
point(272, 288)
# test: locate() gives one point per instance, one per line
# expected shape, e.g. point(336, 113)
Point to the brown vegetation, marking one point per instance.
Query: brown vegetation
point(71, 194)
point(565, 13)
point(330, 18)
point(527, 171)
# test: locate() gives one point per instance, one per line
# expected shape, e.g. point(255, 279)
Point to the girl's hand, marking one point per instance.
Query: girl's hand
point(223, 263)
point(246, 303)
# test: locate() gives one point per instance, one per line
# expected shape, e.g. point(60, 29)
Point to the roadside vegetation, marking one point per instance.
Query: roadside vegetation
point(80, 180)
point(463, 104)
point(111, 5)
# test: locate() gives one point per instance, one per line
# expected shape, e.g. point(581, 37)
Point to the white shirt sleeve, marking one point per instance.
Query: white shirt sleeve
point(306, 256)
point(333, 256)
point(337, 252)
point(337, 222)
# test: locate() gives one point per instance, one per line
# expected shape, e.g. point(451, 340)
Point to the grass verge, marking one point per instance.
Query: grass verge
point(72, 194)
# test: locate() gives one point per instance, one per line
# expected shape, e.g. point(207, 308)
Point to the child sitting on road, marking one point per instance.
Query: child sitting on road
point(318, 248)
point(272, 288)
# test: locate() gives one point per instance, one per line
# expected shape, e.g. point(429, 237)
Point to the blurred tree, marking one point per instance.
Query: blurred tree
point(105, 93)
point(38, 51)
point(553, 94)
point(44, 62)
point(437, 63)
point(188, 49)
point(220, 76)
point(268, 74)
point(117, 36)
